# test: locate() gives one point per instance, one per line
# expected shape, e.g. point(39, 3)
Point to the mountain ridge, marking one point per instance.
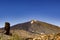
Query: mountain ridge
point(35, 26)
point(32, 29)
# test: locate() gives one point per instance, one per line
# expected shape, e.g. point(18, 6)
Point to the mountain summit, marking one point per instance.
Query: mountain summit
point(37, 27)
point(33, 28)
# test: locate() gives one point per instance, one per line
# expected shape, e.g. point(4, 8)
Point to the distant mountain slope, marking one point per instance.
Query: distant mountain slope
point(37, 27)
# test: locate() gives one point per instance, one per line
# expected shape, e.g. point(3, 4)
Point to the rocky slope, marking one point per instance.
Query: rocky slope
point(37, 27)
point(33, 28)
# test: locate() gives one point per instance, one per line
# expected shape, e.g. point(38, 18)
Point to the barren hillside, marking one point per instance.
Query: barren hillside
point(33, 28)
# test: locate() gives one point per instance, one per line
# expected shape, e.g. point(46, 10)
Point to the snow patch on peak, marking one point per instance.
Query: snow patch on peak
point(33, 21)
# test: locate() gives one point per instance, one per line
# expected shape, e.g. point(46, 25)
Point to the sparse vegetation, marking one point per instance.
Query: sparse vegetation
point(13, 37)
point(41, 37)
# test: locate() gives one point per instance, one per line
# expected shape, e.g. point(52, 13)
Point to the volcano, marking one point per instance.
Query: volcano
point(33, 28)
point(37, 27)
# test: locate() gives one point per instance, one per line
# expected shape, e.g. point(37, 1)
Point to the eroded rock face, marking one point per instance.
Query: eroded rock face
point(7, 28)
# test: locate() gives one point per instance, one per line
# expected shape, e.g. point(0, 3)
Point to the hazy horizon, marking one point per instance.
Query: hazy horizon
point(19, 11)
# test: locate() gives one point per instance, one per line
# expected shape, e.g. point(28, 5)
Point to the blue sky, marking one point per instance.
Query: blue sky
point(19, 11)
